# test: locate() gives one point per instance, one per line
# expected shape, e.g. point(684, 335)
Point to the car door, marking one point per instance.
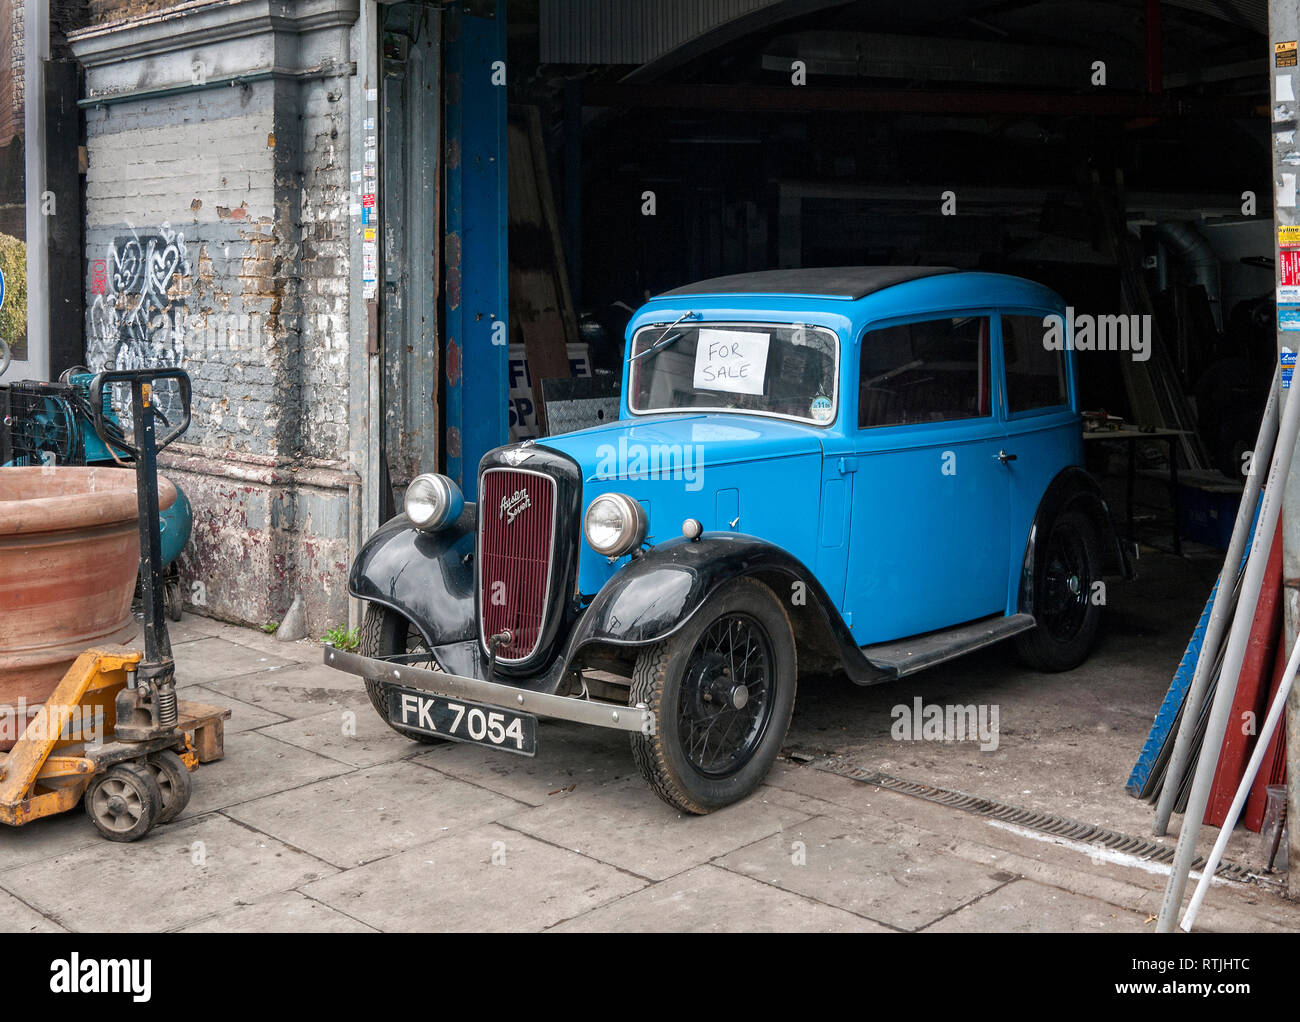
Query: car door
point(1042, 420)
point(929, 541)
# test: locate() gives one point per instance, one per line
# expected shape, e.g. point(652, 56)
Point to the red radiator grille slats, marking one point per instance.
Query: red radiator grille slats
point(515, 557)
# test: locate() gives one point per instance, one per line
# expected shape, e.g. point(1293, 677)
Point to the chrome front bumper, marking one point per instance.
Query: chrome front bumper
point(491, 693)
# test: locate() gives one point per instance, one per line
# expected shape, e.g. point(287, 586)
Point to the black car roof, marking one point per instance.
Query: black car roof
point(849, 282)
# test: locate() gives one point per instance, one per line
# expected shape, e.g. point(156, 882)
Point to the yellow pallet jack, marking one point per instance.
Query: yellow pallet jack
point(113, 735)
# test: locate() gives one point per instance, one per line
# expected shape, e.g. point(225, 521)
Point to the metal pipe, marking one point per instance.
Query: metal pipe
point(1243, 789)
point(113, 98)
point(1269, 510)
point(1188, 245)
point(36, 42)
point(1218, 622)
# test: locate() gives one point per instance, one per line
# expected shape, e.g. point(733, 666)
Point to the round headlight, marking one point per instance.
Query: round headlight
point(614, 525)
point(433, 501)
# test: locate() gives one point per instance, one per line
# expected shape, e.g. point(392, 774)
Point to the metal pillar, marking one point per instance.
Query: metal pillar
point(365, 420)
point(475, 292)
point(36, 46)
point(1284, 33)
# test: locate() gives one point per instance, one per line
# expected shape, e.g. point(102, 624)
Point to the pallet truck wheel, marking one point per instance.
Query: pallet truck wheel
point(124, 802)
point(174, 783)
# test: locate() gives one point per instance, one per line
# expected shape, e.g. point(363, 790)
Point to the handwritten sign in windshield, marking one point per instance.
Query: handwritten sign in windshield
point(734, 361)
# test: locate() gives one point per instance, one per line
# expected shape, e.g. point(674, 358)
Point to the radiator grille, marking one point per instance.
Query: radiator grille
point(516, 546)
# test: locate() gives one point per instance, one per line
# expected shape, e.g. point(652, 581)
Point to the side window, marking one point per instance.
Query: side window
point(1035, 373)
point(932, 371)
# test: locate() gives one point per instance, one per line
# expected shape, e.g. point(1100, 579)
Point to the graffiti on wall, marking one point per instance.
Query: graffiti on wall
point(138, 317)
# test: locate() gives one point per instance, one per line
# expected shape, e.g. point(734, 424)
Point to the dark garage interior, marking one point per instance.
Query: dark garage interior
point(1117, 152)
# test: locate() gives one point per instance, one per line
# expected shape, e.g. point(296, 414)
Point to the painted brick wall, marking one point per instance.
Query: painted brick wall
point(217, 236)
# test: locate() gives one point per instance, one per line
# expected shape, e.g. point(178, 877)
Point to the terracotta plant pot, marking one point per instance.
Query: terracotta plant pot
point(69, 554)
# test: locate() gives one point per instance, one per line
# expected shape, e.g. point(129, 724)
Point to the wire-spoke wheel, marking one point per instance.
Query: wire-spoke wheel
point(386, 633)
point(722, 693)
point(1066, 609)
point(173, 782)
point(124, 802)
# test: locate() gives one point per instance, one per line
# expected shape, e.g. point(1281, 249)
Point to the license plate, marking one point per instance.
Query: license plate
point(462, 721)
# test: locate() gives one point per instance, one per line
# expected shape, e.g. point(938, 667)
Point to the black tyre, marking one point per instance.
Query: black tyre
point(174, 598)
point(124, 802)
point(174, 783)
point(722, 691)
point(385, 632)
point(1068, 614)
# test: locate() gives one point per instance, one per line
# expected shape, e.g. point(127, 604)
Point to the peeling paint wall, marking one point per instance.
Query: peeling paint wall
point(217, 239)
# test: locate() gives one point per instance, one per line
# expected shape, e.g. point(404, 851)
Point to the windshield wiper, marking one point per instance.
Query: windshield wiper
point(659, 343)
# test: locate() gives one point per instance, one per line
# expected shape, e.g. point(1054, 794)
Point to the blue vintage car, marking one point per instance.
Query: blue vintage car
point(874, 468)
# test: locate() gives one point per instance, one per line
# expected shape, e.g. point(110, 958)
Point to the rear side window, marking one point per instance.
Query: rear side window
point(936, 370)
point(1035, 372)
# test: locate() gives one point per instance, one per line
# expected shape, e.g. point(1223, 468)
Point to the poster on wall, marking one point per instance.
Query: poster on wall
point(13, 199)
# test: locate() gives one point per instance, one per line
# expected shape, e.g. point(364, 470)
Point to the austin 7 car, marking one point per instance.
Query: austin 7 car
point(872, 470)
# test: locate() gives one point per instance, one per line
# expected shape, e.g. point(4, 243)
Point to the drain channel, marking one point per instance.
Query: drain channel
point(1047, 823)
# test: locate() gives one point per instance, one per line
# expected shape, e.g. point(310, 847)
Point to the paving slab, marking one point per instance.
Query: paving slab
point(1229, 907)
point(1092, 869)
point(290, 912)
point(17, 917)
point(175, 875)
point(454, 884)
point(368, 814)
point(46, 838)
point(191, 627)
point(624, 824)
point(254, 766)
point(712, 900)
point(299, 691)
point(243, 716)
point(1027, 907)
point(350, 734)
point(216, 659)
point(887, 874)
point(570, 757)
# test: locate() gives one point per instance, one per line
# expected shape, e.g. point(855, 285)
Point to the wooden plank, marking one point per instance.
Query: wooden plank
point(207, 725)
point(210, 741)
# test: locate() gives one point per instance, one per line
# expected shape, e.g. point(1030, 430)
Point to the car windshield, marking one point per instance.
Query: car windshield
point(781, 369)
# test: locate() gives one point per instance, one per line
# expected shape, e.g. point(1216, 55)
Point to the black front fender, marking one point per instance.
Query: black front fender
point(656, 594)
point(428, 577)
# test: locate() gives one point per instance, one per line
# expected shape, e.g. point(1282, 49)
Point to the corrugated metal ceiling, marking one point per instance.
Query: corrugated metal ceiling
point(629, 31)
point(640, 31)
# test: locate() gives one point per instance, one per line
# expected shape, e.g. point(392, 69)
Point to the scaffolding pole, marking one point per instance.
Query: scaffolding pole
point(1219, 614)
point(1269, 511)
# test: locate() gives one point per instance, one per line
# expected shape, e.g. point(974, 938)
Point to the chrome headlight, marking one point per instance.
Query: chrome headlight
point(614, 524)
point(433, 502)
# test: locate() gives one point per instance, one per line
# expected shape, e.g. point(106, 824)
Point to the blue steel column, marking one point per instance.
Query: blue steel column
point(475, 295)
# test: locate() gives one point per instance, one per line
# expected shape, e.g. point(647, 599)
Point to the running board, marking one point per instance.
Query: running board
point(907, 656)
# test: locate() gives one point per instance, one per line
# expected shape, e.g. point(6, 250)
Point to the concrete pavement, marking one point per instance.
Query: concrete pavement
point(321, 818)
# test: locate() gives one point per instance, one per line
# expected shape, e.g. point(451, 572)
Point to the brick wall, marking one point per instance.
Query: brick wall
point(218, 239)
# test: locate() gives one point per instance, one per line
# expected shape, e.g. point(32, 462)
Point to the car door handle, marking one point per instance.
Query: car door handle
point(1004, 457)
